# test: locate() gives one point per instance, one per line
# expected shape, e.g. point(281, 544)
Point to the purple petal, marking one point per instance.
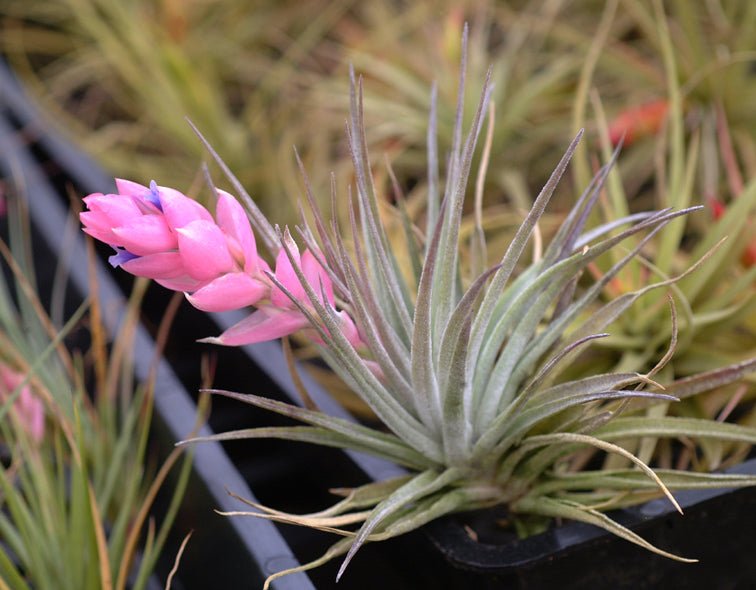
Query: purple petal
point(121, 257)
point(153, 196)
point(263, 325)
point(203, 250)
point(231, 291)
point(143, 198)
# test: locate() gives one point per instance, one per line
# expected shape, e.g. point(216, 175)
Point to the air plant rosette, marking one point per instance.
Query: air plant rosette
point(460, 363)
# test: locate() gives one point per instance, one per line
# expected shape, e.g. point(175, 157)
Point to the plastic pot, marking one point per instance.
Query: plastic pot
point(717, 528)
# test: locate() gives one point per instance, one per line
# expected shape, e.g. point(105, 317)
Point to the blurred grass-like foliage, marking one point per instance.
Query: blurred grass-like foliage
point(257, 79)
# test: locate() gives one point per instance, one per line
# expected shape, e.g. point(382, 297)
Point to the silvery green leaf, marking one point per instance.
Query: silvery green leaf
point(459, 322)
point(420, 486)
point(455, 382)
point(562, 509)
point(373, 392)
point(552, 367)
point(386, 347)
point(605, 228)
point(672, 427)
point(387, 277)
point(564, 243)
point(515, 249)
point(408, 229)
point(330, 437)
point(456, 146)
point(570, 438)
point(425, 511)
point(632, 479)
point(423, 362)
point(444, 289)
point(508, 429)
point(262, 226)
point(590, 384)
point(434, 199)
point(497, 386)
point(689, 386)
point(556, 328)
point(366, 495)
point(326, 241)
point(524, 321)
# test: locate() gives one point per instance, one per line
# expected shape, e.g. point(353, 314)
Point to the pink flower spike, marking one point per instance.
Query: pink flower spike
point(113, 207)
point(349, 329)
point(162, 265)
point(317, 277)
point(180, 210)
point(234, 222)
point(203, 250)
point(227, 292)
point(131, 189)
point(105, 213)
point(287, 277)
point(183, 283)
point(97, 230)
point(261, 326)
point(144, 235)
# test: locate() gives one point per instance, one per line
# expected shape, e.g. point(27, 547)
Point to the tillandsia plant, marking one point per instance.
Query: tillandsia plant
point(462, 364)
point(76, 487)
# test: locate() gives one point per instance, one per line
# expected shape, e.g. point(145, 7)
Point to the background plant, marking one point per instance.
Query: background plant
point(76, 502)
point(124, 76)
point(686, 153)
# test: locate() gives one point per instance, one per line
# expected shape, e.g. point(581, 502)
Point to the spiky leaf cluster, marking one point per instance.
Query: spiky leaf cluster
point(464, 372)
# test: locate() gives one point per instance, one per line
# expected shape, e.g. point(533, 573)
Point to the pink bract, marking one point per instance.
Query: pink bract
point(160, 233)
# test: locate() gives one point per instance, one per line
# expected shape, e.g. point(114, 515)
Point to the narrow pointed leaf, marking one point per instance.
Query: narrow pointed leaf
point(559, 509)
point(397, 452)
point(517, 246)
point(595, 441)
point(336, 425)
point(422, 485)
point(672, 427)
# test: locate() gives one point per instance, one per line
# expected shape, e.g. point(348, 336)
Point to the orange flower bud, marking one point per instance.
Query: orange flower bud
point(638, 122)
